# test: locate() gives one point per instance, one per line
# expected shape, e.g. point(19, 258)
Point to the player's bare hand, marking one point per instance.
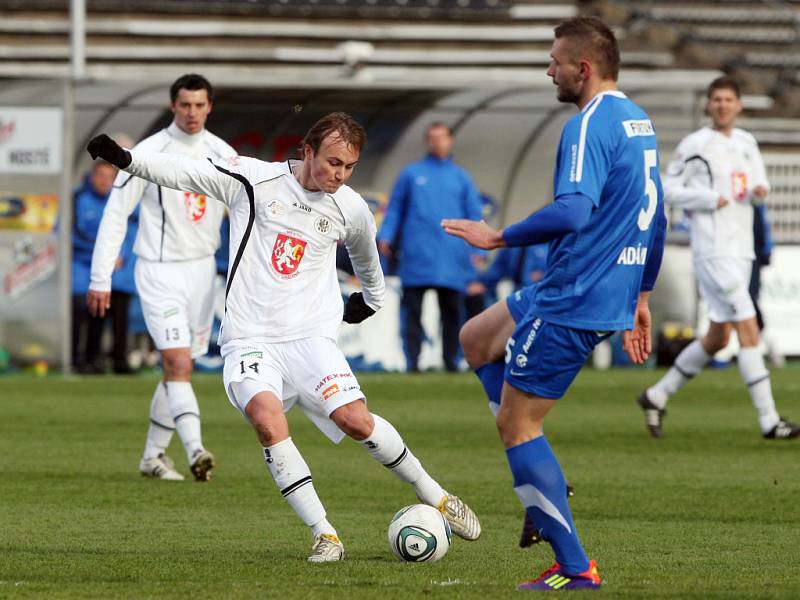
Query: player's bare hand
point(475, 288)
point(385, 248)
point(760, 192)
point(722, 202)
point(98, 302)
point(637, 342)
point(476, 233)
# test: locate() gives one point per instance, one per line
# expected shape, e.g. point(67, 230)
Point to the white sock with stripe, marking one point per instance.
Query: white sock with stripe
point(186, 414)
point(387, 447)
point(689, 363)
point(293, 478)
point(755, 375)
point(159, 434)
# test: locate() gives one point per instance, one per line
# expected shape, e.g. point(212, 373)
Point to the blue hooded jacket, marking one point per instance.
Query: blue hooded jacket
point(426, 192)
point(87, 213)
point(524, 265)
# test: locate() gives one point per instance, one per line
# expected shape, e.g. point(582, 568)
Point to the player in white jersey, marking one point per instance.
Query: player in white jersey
point(284, 307)
point(717, 174)
point(175, 245)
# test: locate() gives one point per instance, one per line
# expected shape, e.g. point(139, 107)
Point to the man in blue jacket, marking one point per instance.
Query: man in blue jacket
point(426, 192)
point(523, 265)
point(90, 200)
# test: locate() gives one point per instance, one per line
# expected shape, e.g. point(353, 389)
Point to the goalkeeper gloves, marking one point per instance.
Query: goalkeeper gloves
point(356, 309)
point(107, 149)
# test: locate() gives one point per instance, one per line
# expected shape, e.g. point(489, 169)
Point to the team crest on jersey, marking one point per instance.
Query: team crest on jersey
point(322, 225)
point(195, 205)
point(287, 254)
point(739, 186)
point(276, 208)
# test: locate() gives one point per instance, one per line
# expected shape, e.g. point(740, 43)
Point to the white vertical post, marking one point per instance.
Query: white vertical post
point(65, 217)
point(77, 38)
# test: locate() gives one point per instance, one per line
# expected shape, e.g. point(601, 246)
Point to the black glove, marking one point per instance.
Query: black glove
point(107, 149)
point(356, 310)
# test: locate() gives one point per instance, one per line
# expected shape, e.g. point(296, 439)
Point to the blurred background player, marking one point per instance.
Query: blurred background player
point(426, 192)
point(606, 229)
point(178, 235)
point(284, 308)
point(717, 173)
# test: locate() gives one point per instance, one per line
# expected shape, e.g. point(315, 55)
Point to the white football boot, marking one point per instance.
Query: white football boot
point(160, 467)
point(327, 548)
point(463, 522)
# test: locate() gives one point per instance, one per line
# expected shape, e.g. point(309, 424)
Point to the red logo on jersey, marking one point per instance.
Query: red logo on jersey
point(739, 186)
point(195, 206)
point(287, 254)
point(329, 391)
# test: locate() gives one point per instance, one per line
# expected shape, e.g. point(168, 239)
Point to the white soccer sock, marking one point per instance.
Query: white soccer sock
point(689, 363)
point(756, 376)
point(186, 414)
point(159, 434)
point(776, 357)
point(387, 447)
point(293, 478)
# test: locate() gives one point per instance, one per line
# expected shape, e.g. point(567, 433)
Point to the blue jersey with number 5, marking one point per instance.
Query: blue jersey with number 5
point(609, 153)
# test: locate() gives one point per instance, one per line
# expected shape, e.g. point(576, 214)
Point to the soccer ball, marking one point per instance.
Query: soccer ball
point(419, 533)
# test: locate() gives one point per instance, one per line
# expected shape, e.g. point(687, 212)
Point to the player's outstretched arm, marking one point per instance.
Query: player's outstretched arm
point(174, 171)
point(569, 213)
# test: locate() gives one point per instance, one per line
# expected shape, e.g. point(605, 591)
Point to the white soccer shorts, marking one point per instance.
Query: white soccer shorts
point(178, 302)
point(311, 372)
point(724, 285)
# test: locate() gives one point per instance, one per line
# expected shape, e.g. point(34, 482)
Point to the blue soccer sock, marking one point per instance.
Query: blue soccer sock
point(540, 485)
point(491, 376)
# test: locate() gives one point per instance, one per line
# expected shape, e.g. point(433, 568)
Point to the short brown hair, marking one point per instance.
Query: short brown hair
point(350, 131)
point(593, 39)
point(723, 83)
point(191, 82)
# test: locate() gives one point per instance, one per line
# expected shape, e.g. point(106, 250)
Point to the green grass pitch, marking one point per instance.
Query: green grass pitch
point(710, 511)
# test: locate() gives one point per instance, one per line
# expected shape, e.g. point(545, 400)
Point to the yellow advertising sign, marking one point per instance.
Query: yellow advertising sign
point(28, 212)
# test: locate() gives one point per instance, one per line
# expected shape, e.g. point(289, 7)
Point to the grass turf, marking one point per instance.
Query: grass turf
point(710, 511)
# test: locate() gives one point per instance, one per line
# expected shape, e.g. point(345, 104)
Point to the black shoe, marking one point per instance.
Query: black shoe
point(95, 368)
point(530, 533)
point(653, 416)
point(784, 430)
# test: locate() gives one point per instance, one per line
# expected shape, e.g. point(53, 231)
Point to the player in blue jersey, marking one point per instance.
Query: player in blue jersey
point(606, 230)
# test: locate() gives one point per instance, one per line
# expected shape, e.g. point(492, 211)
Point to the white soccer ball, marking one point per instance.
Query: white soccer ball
point(419, 533)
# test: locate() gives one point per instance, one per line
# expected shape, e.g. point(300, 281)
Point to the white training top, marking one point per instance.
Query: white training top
point(173, 225)
point(707, 165)
point(282, 282)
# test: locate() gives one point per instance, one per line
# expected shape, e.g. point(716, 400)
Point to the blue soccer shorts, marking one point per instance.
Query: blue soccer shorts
point(544, 358)
point(519, 302)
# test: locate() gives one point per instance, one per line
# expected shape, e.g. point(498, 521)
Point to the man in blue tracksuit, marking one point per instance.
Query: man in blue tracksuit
point(426, 192)
point(90, 200)
point(524, 266)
